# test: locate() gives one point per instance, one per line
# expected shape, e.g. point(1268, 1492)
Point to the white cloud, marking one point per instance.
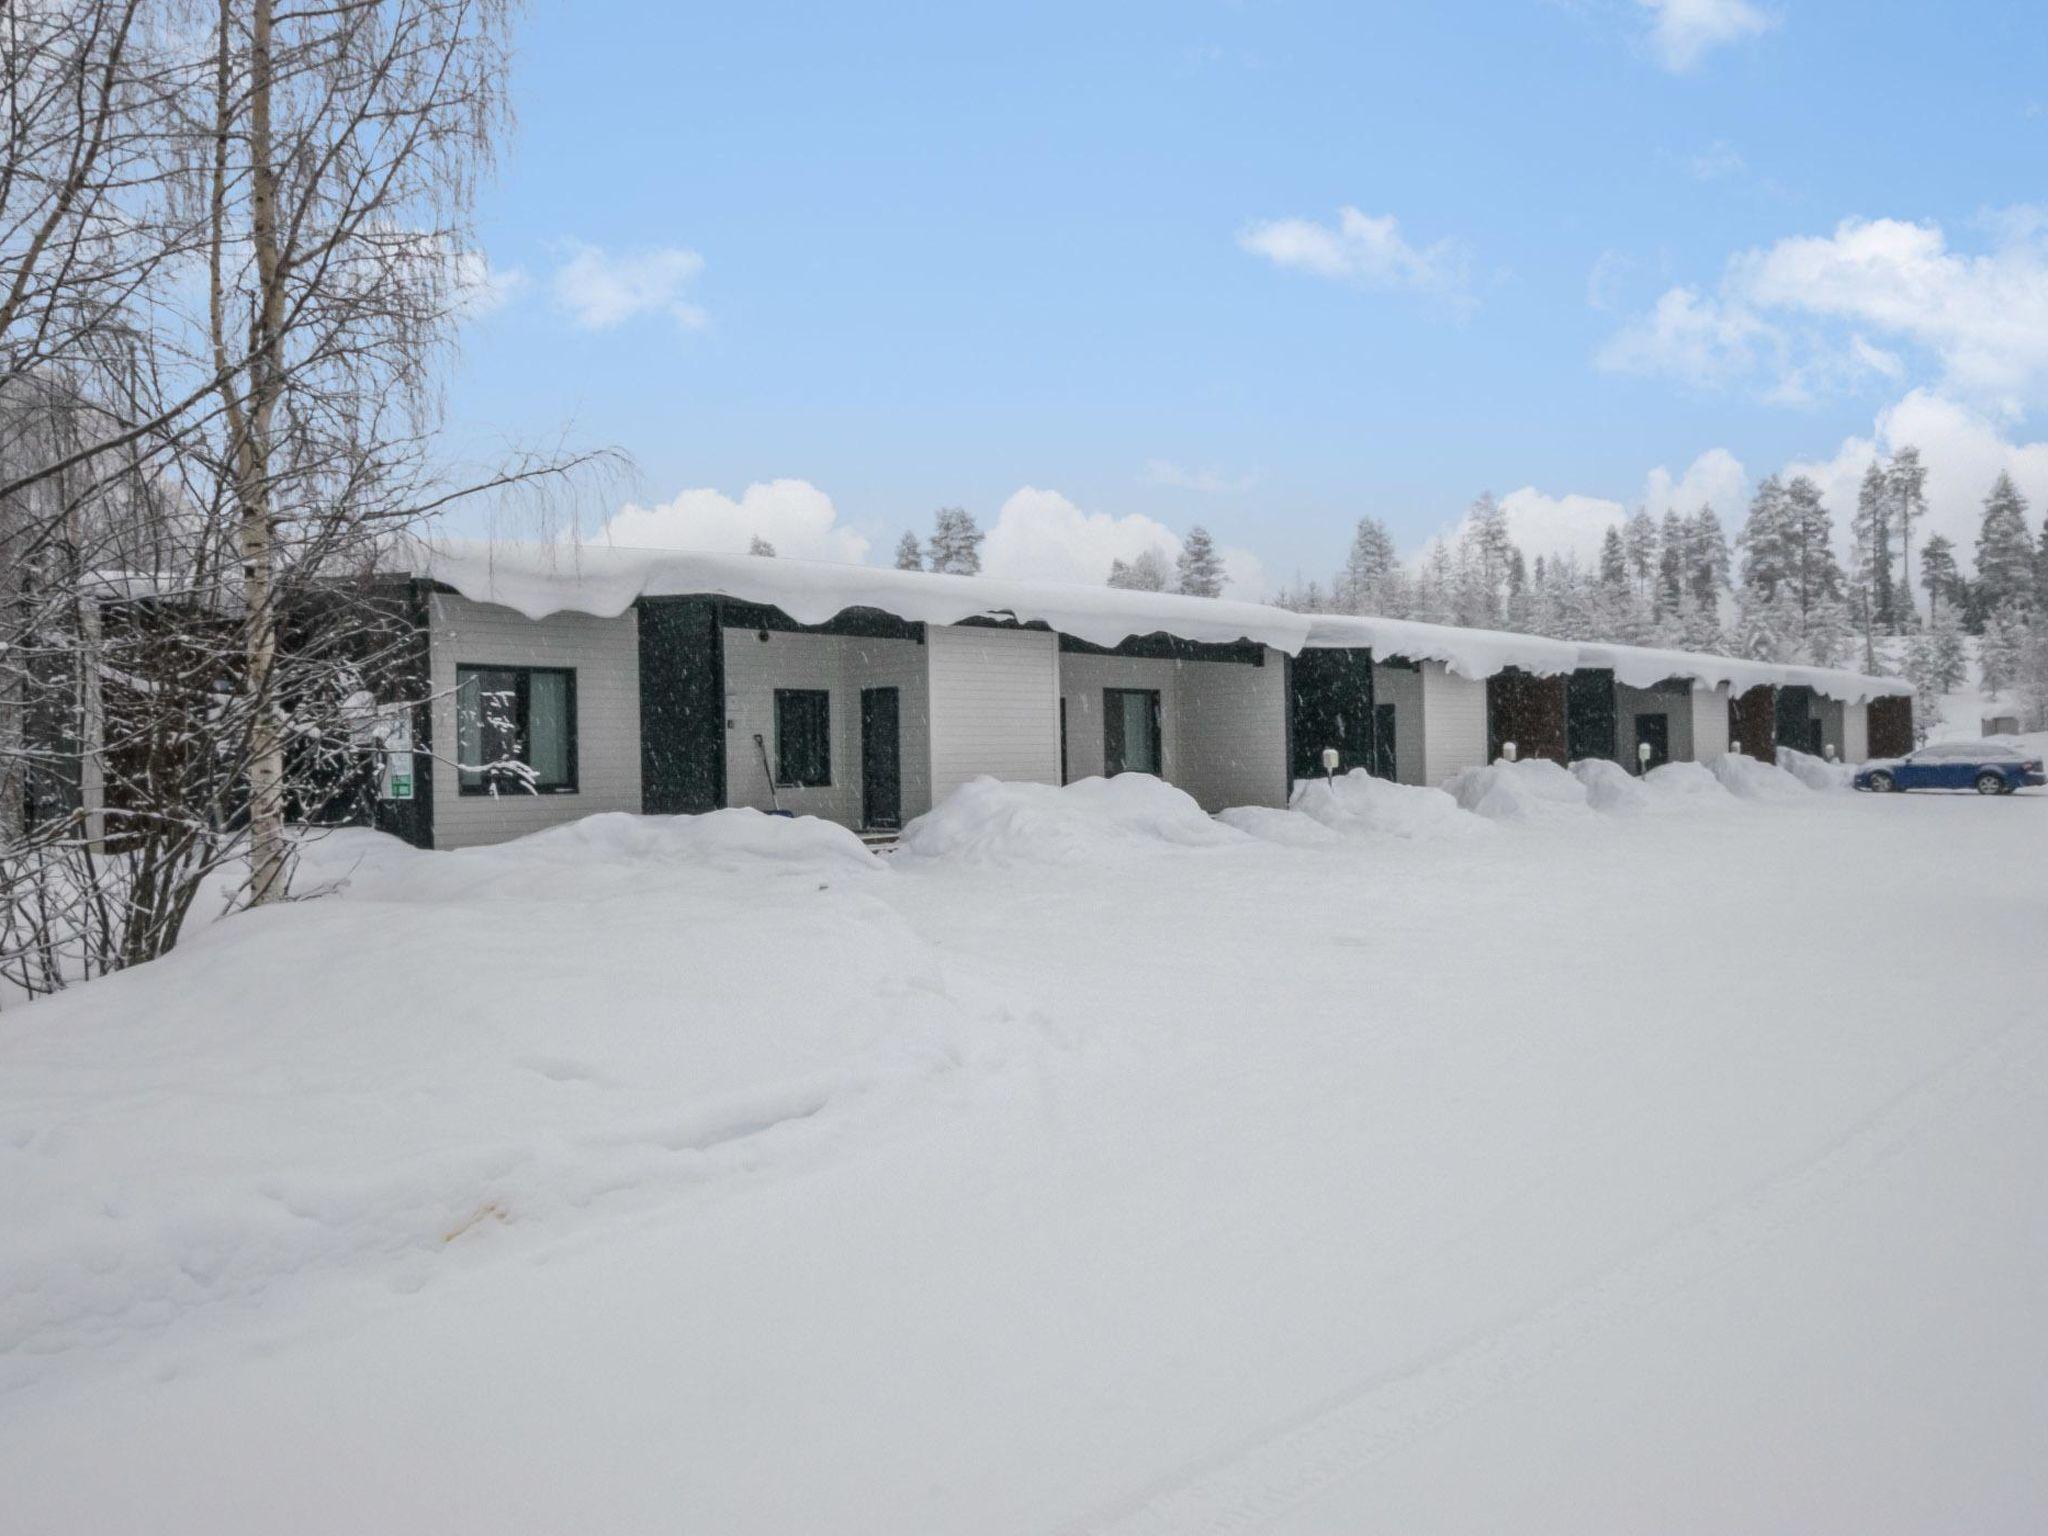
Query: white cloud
point(482, 289)
point(1811, 314)
point(1573, 523)
point(1715, 479)
point(1364, 249)
point(1683, 32)
point(1040, 535)
point(793, 515)
point(1717, 162)
point(1691, 337)
point(1963, 449)
point(601, 290)
point(1208, 482)
point(1554, 525)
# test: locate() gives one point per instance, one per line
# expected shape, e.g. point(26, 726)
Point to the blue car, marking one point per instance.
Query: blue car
point(1989, 767)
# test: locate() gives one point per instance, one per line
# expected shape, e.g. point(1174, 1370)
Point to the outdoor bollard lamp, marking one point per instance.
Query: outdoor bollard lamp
point(1643, 755)
point(1735, 747)
point(1329, 762)
point(1507, 750)
point(1830, 749)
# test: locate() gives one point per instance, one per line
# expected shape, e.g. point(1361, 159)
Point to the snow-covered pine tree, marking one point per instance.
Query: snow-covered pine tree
point(1939, 577)
point(1368, 568)
point(1639, 543)
point(2003, 644)
point(1200, 567)
point(1145, 573)
point(909, 557)
point(760, 546)
point(1673, 552)
point(1765, 541)
point(955, 546)
point(1811, 568)
point(1937, 661)
point(1707, 560)
point(1871, 543)
point(1613, 559)
point(2005, 550)
point(1906, 481)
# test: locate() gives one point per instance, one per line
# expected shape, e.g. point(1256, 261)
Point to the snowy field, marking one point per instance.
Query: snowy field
point(1564, 1154)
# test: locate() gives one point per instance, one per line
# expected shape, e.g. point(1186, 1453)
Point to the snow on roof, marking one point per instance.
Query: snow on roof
point(605, 580)
point(1479, 653)
point(540, 579)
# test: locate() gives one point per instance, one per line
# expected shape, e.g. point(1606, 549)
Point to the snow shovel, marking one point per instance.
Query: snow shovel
point(768, 773)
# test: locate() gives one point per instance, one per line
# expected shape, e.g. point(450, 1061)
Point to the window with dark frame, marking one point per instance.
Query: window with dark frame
point(803, 738)
point(515, 730)
point(1130, 732)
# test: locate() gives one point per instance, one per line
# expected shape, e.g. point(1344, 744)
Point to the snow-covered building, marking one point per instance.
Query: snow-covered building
point(566, 680)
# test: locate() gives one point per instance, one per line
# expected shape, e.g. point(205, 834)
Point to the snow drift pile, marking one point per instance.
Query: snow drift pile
point(1816, 772)
point(1358, 804)
point(1533, 789)
point(1749, 779)
point(996, 821)
point(1610, 787)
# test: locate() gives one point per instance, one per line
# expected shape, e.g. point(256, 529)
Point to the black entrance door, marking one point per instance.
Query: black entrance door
point(1654, 731)
point(881, 759)
point(1383, 741)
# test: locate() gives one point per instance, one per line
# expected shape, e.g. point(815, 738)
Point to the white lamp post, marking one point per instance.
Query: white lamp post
point(1330, 761)
point(1643, 755)
point(1507, 750)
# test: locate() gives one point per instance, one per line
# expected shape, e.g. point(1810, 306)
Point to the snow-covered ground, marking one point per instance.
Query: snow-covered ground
point(1662, 1158)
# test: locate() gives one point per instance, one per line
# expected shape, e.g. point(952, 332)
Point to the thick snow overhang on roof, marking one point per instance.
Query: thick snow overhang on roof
point(540, 579)
point(601, 579)
point(1479, 653)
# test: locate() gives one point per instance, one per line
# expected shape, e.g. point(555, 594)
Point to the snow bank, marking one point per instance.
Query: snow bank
point(1610, 787)
point(1684, 781)
point(990, 821)
point(1744, 776)
point(1816, 772)
point(1272, 825)
point(1357, 804)
point(1533, 789)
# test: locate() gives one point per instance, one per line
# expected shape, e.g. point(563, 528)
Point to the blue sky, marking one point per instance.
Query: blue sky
point(938, 254)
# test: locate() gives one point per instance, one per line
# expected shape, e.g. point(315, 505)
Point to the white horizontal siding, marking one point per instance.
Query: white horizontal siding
point(840, 666)
point(1676, 708)
point(1709, 722)
point(605, 656)
point(1855, 733)
point(1082, 681)
point(1402, 688)
point(1233, 732)
point(994, 705)
point(1453, 723)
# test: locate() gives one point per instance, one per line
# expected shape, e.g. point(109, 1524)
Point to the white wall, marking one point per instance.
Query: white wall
point(1676, 708)
point(994, 705)
point(1709, 722)
point(1453, 723)
point(1855, 733)
point(605, 656)
point(841, 665)
point(1402, 688)
point(1082, 679)
point(1830, 715)
point(1233, 732)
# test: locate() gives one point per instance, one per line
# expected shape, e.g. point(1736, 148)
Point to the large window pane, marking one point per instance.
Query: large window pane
point(547, 728)
point(803, 737)
point(515, 730)
point(1130, 731)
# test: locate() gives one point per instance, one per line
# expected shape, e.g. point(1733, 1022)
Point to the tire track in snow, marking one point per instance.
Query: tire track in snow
point(1269, 1475)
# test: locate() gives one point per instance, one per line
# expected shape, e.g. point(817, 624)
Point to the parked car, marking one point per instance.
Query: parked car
point(1988, 767)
